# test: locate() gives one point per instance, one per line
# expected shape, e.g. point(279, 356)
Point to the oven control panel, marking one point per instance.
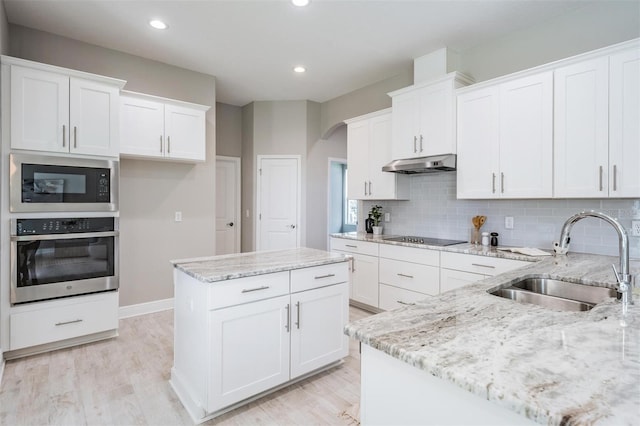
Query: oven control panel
point(64, 225)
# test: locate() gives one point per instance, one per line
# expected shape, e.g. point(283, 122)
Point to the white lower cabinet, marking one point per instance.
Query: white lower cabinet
point(393, 297)
point(63, 319)
point(243, 337)
point(459, 269)
point(364, 271)
point(249, 350)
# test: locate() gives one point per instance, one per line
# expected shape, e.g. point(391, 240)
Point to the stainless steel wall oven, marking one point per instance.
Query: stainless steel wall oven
point(59, 257)
point(46, 183)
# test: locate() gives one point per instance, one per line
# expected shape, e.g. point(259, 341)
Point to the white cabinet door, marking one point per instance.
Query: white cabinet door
point(581, 126)
point(624, 125)
point(526, 137)
point(358, 160)
point(406, 122)
point(436, 120)
point(249, 350)
point(141, 127)
point(478, 143)
point(94, 118)
point(382, 184)
point(39, 110)
point(318, 318)
point(364, 280)
point(185, 133)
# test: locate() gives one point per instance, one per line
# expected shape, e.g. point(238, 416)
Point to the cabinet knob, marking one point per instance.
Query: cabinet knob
point(230, 224)
point(292, 226)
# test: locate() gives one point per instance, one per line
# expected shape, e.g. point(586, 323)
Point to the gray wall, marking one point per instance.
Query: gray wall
point(248, 178)
point(4, 31)
point(150, 191)
point(228, 130)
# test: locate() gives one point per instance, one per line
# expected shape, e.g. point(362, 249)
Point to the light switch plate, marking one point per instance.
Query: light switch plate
point(508, 222)
point(178, 217)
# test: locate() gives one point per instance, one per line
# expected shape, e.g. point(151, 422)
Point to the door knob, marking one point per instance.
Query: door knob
point(230, 224)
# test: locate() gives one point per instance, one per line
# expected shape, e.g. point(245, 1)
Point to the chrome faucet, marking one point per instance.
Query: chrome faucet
point(624, 279)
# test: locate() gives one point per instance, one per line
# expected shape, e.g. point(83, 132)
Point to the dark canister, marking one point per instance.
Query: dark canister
point(494, 239)
point(368, 225)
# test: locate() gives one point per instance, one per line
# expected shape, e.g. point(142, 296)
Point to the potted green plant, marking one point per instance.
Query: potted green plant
point(376, 214)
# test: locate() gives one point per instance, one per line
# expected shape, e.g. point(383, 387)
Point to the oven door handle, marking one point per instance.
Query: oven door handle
point(64, 236)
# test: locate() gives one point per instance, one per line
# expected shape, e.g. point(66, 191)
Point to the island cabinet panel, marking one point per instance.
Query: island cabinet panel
point(249, 350)
point(318, 276)
point(317, 319)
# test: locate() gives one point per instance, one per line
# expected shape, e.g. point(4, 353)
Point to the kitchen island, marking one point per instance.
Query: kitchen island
point(251, 323)
point(469, 357)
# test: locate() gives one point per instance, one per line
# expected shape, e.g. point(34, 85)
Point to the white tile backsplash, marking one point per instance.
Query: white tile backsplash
point(434, 211)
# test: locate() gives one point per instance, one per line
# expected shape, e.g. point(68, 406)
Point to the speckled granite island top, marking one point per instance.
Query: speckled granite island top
point(230, 266)
point(550, 366)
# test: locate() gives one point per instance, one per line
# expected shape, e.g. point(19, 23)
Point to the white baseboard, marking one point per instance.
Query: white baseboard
point(145, 308)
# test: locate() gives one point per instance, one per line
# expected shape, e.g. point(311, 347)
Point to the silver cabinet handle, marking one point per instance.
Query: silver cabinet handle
point(420, 143)
point(68, 322)
point(365, 187)
point(320, 277)
point(298, 315)
point(615, 177)
point(493, 183)
point(405, 276)
point(415, 144)
point(75, 136)
point(369, 187)
point(64, 136)
point(353, 264)
point(168, 144)
point(502, 182)
point(160, 143)
point(483, 266)
point(350, 245)
point(405, 303)
point(600, 173)
point(288, 323)
point(249, 290)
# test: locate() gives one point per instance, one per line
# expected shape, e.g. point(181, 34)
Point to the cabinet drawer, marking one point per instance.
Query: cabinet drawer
point(66, 321)
point(248, 289)
point(394, 297)
point(319, 276)
point(478, 264)
point(451, 279)
point(410, 254)
point(410, 276)
point(354, 246)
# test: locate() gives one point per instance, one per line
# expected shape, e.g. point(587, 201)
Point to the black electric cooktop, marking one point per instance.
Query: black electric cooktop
point(425, 240)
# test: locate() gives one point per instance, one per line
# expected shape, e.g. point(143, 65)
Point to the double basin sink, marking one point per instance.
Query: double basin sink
point(555, 294)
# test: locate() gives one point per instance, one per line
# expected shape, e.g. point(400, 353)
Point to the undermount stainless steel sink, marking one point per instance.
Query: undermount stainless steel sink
point(555, 294)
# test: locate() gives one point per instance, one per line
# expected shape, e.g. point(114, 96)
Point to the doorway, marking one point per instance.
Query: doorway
point(227, 205)
point(278, 202)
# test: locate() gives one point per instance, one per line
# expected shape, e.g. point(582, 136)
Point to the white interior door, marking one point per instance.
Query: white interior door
point(278, 202)
point(227, 205)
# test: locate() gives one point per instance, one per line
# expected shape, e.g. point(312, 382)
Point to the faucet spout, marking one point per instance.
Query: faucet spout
point(624, 278)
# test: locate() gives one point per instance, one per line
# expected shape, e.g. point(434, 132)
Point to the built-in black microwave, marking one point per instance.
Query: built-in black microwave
point(43, 183)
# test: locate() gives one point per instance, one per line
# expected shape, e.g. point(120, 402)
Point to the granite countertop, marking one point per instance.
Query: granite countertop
point(230, 266)
point(550, 366)
point(465, 248)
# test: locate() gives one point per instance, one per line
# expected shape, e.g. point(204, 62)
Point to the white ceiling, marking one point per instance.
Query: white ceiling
point(252, 46)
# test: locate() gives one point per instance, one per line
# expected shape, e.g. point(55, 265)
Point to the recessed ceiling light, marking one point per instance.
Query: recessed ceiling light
point(300, 3)
point(158, 24)
point(299, 69)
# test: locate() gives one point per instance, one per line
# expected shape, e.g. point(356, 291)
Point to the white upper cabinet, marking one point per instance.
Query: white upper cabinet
point(505, 139)
point(424, 118)
point(368, 149)
point(581, 127)
point(597, 136)
point(58, 110)
point(624, 124)
point(158, 128)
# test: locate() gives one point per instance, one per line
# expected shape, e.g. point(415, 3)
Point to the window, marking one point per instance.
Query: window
point(350, 216)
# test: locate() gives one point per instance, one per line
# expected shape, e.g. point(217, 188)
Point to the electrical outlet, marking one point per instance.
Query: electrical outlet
point(635, 228)
point(508, 222)
point(387, 217)
point(178, 217)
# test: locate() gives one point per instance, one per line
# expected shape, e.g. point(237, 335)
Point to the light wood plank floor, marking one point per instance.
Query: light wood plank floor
point(124, 381)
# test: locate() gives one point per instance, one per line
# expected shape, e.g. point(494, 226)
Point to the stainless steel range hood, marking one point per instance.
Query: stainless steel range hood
point(436, 163)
